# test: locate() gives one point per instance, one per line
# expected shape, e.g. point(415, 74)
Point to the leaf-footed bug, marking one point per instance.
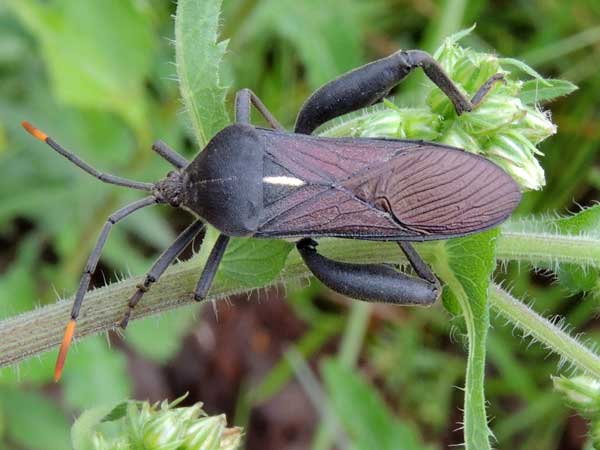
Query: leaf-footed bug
point(268, 183)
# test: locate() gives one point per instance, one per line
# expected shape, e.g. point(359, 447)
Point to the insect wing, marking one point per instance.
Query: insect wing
point(383, 189)
point(439, 191)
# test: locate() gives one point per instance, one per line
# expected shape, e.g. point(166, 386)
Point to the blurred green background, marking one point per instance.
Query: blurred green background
point(99, 77)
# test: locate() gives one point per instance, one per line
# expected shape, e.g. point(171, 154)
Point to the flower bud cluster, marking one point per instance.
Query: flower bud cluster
point(582, 393)
point(502, 127)
point(164, 427)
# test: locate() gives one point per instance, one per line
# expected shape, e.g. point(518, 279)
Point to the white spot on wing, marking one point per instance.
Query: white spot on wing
point(285, 181)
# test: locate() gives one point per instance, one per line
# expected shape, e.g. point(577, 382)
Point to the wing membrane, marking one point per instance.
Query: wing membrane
point(386, 189)
point(439, 191)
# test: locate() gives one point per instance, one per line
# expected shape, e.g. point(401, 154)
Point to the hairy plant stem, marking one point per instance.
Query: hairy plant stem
point(39, 330)
point(545, 331)
point(548, 248)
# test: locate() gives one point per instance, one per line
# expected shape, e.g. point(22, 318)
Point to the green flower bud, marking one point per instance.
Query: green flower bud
point(536, 125)
point(514, 153)
point(99, 443)
point(474, 69)
point(581, 393)
point(162, 432)
point(206, 434)
point(501, 127)
point(164, 427)
point(232, 438)
point(496, 114)
point(390, 121)
point(458, 137)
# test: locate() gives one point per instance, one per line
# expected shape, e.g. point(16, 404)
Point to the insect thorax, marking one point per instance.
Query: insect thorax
point(223, 184)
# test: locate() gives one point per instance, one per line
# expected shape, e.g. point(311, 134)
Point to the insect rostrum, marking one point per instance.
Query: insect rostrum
point(269, 183)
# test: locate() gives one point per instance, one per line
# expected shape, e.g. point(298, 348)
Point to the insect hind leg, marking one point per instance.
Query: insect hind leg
point(369, 84)
point(373, 282)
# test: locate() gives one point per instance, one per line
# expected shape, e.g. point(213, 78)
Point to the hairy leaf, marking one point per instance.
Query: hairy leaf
point(198, 54)
point(254, 262)
point(534, 91)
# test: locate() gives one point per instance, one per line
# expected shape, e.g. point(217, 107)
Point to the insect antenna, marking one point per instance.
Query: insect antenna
point(105, 177)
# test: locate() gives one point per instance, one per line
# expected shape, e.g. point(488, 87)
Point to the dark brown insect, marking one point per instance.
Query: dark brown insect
point(269, 183)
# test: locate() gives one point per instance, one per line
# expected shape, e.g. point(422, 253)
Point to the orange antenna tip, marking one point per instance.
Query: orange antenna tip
point(64, 348)
point(34, 131)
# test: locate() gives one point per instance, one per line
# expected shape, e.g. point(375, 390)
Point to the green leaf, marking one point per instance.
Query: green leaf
point(521, 66)
point(364, 416)
point(534, 92)
point(199, 54)
point(118, 412)
point(328, 43)
point(98, 53)
point(33, 421)
point(586, 221)
point(453, 39)
point(254, 262)
point(95, 375)
point(574, 277)
point(466, 265)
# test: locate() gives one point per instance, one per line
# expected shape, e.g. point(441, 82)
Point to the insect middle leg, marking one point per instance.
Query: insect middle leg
point(373, 282)
point(169, 154)
point(161, 265)
point(370, 83)
point(244, 99)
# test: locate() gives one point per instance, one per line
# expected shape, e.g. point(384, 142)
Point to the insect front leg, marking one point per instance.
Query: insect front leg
point(373, 282)
point(161, 265)
point(244, 99)
point(369, 84)
point(90, 267)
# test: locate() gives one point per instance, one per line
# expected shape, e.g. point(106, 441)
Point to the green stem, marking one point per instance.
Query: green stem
point(548, 248)
point(545, 331)
point(39, 330)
